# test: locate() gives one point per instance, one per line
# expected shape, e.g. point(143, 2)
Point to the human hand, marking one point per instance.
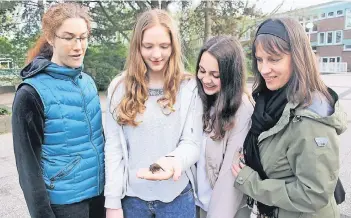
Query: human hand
point(236, 168)
point(163, 169)
point(114, 213)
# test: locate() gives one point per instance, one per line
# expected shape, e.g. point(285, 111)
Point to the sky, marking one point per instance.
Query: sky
point(269, 5)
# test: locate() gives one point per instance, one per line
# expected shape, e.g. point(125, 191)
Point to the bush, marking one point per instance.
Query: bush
point(104, 62)
point(4, 111)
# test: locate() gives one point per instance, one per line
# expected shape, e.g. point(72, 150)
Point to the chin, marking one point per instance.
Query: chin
point(210, 93)
point(74, 65)
point(157, 69)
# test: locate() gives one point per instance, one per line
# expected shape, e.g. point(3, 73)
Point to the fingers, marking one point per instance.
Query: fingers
point(235, 169)
point(144, 173)
point(177, 173)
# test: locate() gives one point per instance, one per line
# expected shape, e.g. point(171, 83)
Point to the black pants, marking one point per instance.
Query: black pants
point(89, 208)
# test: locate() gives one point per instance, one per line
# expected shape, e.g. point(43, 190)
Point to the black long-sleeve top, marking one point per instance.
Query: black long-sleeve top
point(28, 133)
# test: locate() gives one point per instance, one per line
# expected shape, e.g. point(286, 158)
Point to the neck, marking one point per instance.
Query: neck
point(156, 79)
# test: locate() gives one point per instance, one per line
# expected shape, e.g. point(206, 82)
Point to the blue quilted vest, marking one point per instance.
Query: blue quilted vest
point(72, 157)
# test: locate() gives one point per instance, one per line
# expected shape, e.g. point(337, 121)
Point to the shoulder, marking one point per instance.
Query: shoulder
point(189, 83)
point(26, 97)
point(246, 108)
point(116, 89)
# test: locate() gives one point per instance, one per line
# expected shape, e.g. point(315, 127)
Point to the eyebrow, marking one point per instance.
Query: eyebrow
point(162, 43)
point(74, 34)
point(212, 71)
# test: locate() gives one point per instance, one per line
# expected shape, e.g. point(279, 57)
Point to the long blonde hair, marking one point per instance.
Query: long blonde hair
point(135, 75)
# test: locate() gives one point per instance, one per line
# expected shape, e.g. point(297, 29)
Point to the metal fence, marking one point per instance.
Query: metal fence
point(340, 67)
point(9, 77)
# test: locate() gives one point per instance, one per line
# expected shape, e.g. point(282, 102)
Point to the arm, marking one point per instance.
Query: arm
point(187, 152)
point(315, 168)
point(226, 199)
point(114, 162)
point(28, 131)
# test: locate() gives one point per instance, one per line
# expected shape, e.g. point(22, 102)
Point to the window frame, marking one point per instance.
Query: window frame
point(330, 16)
point(319, 37)
point(332, 38)
point(341, 36)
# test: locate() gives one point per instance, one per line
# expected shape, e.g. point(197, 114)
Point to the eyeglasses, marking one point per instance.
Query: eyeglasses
point(72, 40)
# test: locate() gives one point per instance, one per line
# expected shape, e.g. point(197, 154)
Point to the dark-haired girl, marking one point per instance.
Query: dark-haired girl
point(227, 110)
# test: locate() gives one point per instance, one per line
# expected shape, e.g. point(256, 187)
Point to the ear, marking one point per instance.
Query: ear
point(50, 40)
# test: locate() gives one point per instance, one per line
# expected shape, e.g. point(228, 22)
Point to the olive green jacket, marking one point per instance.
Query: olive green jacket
point(300, 155)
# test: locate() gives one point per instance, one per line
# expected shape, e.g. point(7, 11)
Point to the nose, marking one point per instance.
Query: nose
point(156, 53)
point(77, 44)
point(206, 79)
point(264, 68)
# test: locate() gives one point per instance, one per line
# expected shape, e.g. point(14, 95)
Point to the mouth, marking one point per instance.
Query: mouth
point(76, 56)
point(210, 87)
point(269, 78)
point(156, 62)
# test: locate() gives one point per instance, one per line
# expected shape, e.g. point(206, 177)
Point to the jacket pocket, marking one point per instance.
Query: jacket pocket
point(64, 171)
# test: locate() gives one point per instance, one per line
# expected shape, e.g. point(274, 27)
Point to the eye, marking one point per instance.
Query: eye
point(216, 76)
point(147, 46)
point(68, 38)
point(164, 46)
point(259, 60)
point(201, 70)
point(274, 59)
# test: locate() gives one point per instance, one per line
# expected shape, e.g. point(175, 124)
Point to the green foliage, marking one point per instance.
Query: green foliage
point(4, 111)
point(104, 62)
point(113, 23)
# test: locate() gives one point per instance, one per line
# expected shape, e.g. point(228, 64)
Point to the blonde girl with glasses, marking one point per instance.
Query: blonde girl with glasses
point(153, 127)
point(57, 128)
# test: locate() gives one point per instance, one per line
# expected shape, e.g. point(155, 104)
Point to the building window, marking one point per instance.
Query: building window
point(348, 18)
point(314, 28)
point(314, 48)
point(330, 59)
point(321, 38)
point(322, 15)
point(347, 47)
point(315, 17)
point(331, 14)
point(338, 37)
point(301, 19)
point(339, 13)
point(329, 37)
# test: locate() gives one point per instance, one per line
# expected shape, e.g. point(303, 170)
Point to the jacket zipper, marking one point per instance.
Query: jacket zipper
point(90, 133)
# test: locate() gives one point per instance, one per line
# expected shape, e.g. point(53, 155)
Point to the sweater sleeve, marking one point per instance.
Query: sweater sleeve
point(188, 149)
point(226, 199)
point(28, 131)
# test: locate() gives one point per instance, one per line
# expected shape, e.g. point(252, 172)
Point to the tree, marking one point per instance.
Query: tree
point(114, 21)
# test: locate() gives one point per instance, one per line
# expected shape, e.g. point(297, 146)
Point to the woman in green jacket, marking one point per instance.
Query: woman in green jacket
point(290, 163)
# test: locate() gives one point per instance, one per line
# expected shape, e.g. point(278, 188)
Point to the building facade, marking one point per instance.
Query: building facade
point(329, 27)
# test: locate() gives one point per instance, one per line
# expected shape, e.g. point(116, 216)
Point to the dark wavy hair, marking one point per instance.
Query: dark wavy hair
point(232, 69)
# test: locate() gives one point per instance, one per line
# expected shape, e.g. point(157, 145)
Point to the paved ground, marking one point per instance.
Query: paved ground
point(11, 197)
